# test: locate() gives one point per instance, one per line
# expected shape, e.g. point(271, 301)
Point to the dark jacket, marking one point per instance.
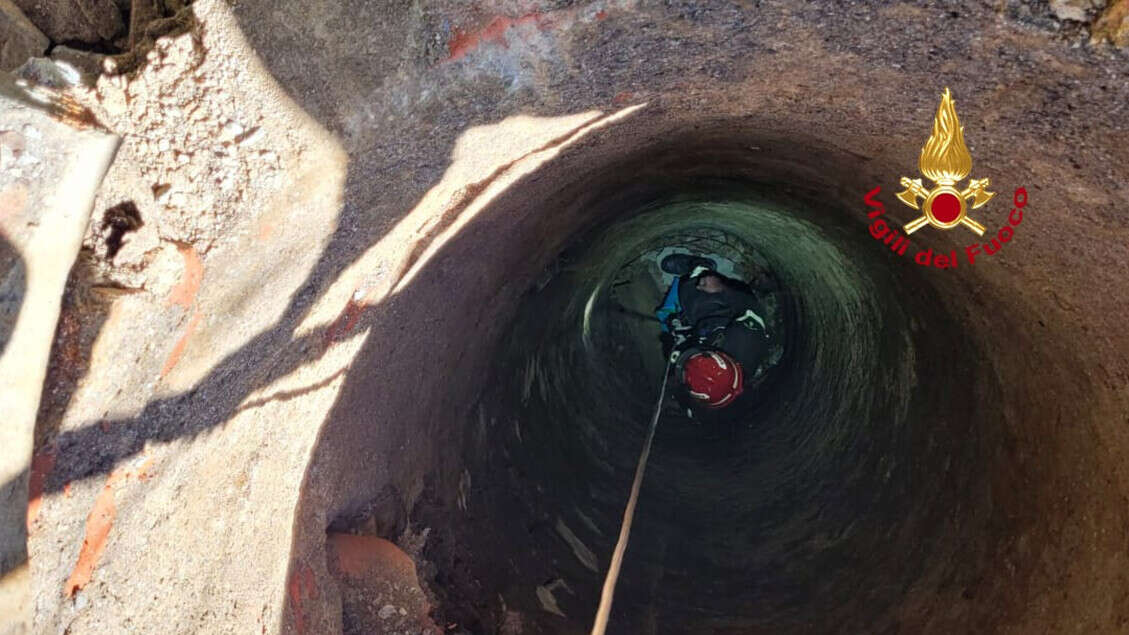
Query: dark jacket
point(720, 320)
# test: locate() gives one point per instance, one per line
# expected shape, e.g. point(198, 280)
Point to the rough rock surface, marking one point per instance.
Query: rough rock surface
point(19, 38)
point(87, 63)
point(380, 589)
point(308, 192)
point(1113, 25)
point(200, 151)
point(1076, 10)
point(89, 21)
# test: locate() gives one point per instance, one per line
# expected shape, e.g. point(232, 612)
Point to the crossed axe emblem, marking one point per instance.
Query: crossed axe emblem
point(945, 206)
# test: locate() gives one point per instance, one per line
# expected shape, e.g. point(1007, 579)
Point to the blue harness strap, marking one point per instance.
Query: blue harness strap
point(670, 305)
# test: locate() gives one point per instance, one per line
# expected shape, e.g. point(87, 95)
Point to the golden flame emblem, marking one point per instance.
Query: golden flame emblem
point(945, 160)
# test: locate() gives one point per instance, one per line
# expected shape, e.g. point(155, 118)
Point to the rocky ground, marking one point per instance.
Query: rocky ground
point(197, 150)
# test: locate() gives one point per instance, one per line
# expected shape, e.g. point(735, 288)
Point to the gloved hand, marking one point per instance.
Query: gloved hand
point(752, 321)
point(679, 331)
point(680, 336)
point(676, 325)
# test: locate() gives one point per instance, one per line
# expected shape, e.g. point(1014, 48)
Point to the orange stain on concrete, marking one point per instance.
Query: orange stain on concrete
point(181, 344)
point(98, 525)
point(359, 555)
point(41, 465)
point(462, 42)
point(301, 588)
point(184, 293)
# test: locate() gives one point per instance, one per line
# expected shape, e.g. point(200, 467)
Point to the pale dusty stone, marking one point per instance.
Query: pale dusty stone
point(1071, 9)
point(85, 62)
point(137, 245)
point(231, 130)
point(164, 271)
point(46, 72)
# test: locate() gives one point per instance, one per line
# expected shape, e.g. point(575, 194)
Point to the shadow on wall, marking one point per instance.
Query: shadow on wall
point(13, 284)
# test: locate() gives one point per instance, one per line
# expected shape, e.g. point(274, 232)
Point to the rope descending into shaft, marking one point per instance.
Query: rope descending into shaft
point(608, 593)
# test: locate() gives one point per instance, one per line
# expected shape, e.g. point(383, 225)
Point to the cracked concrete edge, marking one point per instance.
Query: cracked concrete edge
point(50, 174)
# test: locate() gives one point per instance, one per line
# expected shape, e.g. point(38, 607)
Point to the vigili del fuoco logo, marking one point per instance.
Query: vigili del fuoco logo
point(946, 161)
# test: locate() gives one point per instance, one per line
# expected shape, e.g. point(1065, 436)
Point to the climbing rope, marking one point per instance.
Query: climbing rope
point(607, 594)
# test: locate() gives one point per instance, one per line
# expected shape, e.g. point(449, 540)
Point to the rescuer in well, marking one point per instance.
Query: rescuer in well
point(714, 332)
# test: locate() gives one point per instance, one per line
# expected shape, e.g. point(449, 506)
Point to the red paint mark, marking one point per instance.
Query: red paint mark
point(341, 327)
point(41, 465)
point(601, 14)
point(494, 32)
point(67, 490)
point(622, 98)
point(184, 293)
point(181, 344)
point(301, 587)
point(98, 525)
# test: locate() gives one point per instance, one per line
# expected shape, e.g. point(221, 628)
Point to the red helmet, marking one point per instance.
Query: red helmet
point(713, 378)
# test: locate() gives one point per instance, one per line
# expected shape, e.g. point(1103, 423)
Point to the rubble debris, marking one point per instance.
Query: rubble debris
point(548, 600)
point(381, 591)
point(1075, 10)
point(44, 72)
point(579, 549)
